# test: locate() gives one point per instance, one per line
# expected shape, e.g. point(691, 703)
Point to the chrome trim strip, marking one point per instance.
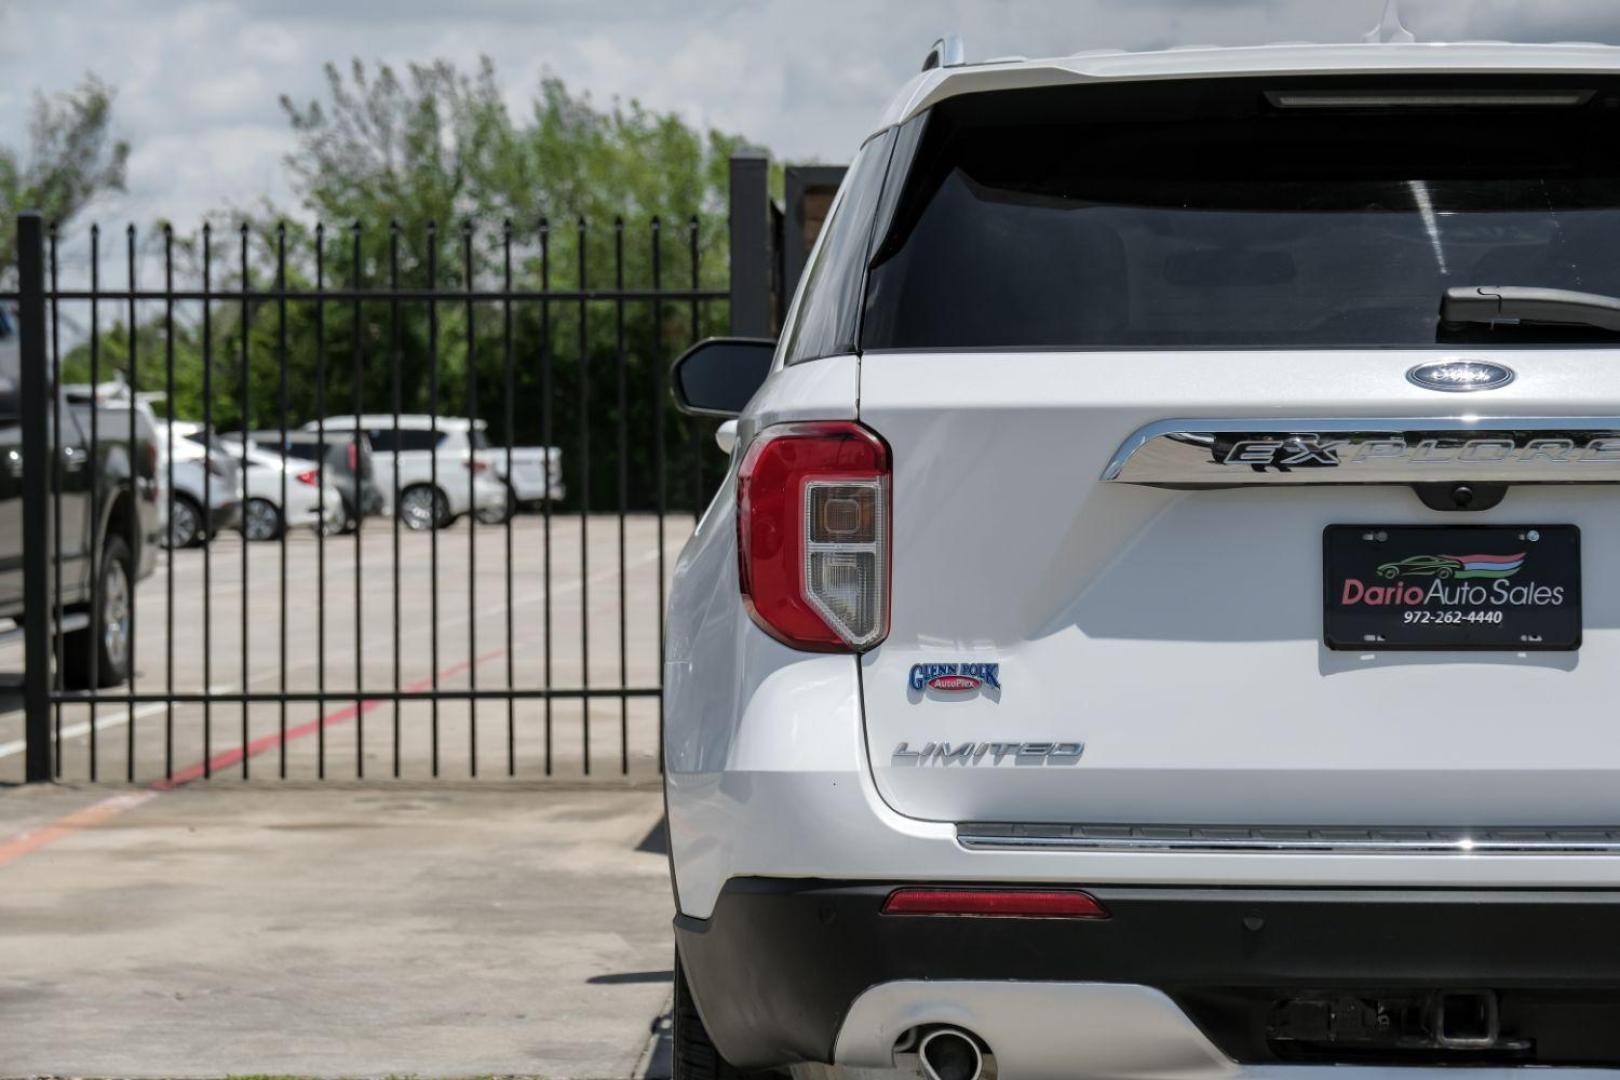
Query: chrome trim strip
point(1289, 841)
point(1203, 453)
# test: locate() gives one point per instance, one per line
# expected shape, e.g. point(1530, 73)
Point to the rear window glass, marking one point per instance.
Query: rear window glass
point(390, 439)
point(1205, 215)
point(302, 450)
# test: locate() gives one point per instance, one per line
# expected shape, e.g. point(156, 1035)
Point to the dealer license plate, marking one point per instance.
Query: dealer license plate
point(1508, 587)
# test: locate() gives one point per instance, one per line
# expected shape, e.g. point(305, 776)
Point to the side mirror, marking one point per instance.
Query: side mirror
point(718, 376)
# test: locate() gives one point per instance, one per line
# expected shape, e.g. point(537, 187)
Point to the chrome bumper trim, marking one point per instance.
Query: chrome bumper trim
point(1290, 841)
point(1202, 453)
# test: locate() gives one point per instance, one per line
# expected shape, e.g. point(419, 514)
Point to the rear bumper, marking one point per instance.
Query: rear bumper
point(1193, 979)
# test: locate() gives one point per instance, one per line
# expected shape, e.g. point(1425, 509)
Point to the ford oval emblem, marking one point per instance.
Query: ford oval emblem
point(1460, 376)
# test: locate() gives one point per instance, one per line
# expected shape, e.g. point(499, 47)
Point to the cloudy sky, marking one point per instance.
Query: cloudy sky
point(198, 82)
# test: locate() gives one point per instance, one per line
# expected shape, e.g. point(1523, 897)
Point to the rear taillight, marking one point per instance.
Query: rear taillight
point(151, 459)
point(813, 535)
point(353, 457)
point(310, 477)
point(477, 466)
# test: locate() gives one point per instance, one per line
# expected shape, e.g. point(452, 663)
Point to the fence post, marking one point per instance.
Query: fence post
point(750, 245)
point(34, 406)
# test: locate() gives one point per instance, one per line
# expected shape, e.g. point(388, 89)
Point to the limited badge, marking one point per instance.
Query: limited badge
point(955, 678)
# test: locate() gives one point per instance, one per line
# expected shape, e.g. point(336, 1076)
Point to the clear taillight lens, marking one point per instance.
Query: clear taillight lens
point(813, 535)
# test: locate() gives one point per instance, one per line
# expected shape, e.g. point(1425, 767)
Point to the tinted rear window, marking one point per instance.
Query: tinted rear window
point(386, 440)
point(1202, 215)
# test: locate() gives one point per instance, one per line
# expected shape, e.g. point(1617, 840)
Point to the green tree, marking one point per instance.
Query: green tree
point(424, 175)
point(72, 157)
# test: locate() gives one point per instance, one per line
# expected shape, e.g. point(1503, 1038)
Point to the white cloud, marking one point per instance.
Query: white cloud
point(199, 80)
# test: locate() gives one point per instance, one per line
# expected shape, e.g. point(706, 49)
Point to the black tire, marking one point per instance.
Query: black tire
point(93, 658)
point(351, 520)
point(693, 1055)
point(187, 524)
point(261, 520)
point(499, 515)
point(422, 507)
point(336, 523)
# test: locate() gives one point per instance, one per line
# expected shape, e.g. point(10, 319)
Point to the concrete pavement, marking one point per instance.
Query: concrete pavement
point(434, 929)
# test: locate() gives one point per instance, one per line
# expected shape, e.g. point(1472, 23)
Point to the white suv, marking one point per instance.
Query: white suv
point(440, 477)
point(1144, 631)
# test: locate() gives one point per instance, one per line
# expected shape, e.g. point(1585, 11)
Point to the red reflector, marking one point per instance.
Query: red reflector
point(1002, 903)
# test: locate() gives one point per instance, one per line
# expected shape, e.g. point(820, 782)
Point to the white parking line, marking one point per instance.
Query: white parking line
point(112, 716)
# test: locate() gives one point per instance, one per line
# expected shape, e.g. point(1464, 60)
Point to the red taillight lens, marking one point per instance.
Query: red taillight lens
point(353, 457)
point(996, 903)
point(310, 477)
point(813, 535)
point(477, 466)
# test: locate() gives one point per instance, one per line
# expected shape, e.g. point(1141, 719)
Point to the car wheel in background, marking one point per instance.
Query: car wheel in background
point(261, 520)
point(424, 507)
point(335, 522)
point(104, 645)
point(185, 523)
point(347, 520)
point(499, 515)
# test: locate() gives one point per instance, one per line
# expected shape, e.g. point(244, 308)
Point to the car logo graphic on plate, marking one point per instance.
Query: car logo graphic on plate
point(955, 678)
point(1460, 376)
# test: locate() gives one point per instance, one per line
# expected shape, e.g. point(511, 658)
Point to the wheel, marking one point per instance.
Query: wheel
point(423, 507)
point(261, 520)
point(348, 520)
point(695, 1056)
point(499, 515)
point(1389, 573)
point(185, 523)
point(335, 522)
point(104, 645)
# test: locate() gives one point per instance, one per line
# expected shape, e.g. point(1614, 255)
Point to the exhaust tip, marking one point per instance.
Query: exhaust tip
point(950, 1054)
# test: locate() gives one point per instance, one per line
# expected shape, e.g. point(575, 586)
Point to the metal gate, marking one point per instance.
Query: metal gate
point(373, 504)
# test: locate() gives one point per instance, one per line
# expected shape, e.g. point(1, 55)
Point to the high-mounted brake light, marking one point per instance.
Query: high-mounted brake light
point(996, 903)
point(813, 535)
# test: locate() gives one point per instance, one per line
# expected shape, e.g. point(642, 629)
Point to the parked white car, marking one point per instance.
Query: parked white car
point(532, 474)
point(440, 477)
point(1145, 629)
point(284, 493)
point(207, 494)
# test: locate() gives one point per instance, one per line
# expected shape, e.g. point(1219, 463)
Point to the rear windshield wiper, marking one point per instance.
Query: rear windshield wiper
point(1526, 304)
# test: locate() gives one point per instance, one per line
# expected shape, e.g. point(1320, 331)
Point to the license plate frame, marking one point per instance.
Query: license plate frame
point(1485, 601)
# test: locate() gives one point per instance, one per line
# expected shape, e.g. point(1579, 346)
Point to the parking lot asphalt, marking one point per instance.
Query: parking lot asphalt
point(427, 929)
point(336, 628)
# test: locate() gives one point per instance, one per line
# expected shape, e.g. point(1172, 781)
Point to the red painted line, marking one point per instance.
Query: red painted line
point(97, 813)
point(226, 758)
point(86, 817)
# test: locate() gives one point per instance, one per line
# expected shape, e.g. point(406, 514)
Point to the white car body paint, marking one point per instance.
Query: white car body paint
point(1177, 633)
point(447, 465)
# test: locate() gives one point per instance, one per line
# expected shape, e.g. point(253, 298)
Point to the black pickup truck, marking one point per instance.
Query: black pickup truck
point(106, 511)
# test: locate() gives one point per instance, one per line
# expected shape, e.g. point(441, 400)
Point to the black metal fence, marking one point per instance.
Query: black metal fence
point(486, 641)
